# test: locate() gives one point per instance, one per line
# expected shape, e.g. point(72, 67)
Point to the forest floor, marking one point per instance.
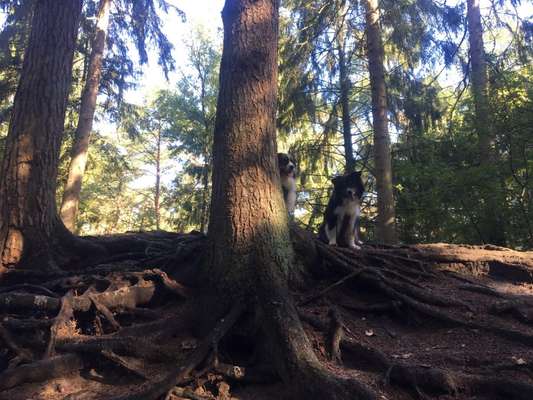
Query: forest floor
point(410, 322)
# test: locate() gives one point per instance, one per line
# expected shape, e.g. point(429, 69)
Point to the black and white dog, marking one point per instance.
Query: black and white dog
point(341, 219)
point(287, 174)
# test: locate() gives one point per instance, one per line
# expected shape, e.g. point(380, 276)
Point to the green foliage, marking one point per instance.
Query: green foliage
point(439, 181)
point(13, 38)
point(189, 111)
point(439, 177)
point(181, 120)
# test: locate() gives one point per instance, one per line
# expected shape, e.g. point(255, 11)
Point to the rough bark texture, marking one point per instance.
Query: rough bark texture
point(386, 226)
point(80, 147)
point(248, 223)
point(250, 249)
point(157, 180)
point(492, 224)
point(28, 214)
point(345, 103)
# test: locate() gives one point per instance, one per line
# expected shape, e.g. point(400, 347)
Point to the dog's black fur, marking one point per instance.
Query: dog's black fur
point(287, 174)
point(341, 219)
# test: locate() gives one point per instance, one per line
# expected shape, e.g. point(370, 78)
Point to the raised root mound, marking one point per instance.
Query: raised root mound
point(408, 322)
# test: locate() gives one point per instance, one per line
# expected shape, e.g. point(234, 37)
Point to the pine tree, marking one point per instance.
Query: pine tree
point(386, 223)
point(80, 147)
point(30, 228)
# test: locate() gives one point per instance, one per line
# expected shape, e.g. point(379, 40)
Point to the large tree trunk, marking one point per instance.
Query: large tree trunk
point(491, 225)
point(250, 250)
point(28, 213)
point(247, 214)
point(386, 225)
point(80, 147)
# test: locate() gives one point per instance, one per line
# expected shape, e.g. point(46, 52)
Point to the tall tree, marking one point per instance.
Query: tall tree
point(108, 73)
point(493, 230)
point(250, 250)
point(29, 221)
point(189, 111)
point(382, 156)
point(345, 86)
point(80, 147)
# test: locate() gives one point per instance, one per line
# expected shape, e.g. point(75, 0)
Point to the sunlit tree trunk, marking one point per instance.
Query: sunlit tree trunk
point(250, 253)
point(491, 224)
point(80, 147)
point(247, 221)
point(157, 196)
point(386, 225)
point(345, 86)
point(29, 221)
point(205, 198)
point(204, 207)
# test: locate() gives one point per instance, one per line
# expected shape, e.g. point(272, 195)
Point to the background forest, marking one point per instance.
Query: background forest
point(149, 157)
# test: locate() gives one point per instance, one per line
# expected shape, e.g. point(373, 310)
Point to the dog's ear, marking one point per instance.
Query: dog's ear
point(292, 158)
point(336, 180)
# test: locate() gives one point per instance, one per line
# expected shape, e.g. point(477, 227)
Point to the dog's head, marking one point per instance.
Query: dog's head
point(286, 165)
point(349, 186)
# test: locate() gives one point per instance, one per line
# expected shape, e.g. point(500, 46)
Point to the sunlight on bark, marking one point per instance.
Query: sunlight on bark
point(13, 247)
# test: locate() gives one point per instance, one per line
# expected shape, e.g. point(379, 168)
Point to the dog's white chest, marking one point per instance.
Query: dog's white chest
point(349, 208)
point(288, 183)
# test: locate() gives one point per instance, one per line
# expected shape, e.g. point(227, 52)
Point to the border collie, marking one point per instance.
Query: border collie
point(287, 173)
point(341, 219)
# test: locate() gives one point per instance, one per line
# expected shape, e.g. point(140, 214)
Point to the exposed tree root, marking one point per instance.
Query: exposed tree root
point(22, 355)
point(122, 363)
point(134, 316)
point(41, 370)
point(65, 314)
point(179, 375)
point(131, 346)
point(335, 335)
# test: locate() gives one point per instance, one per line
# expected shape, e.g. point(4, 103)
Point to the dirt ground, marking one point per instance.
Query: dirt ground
point(468, 333)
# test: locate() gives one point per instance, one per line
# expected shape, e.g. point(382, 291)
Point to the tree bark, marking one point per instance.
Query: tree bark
point(491, 225)
point(28, 213)
point(386, 224)
point(204, 210)
point(247, 216)
point(250, 253)
point(157, 180)
point(80, 147)
point(345, 102)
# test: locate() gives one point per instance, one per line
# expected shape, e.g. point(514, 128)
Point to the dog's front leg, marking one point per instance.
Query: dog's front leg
point(352, 233)
point(331, 233)
point(357, 229)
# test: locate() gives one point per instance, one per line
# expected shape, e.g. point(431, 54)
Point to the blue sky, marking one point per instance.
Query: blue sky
point(205, 13)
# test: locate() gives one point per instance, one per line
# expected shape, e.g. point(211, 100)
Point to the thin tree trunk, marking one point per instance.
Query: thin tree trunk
point(28, 215)
point(492, 225)
point(157, 180)
point(80, 147)
point(386, 225)
point(345, 85)
point(250, 253)
point(207, 169)
point(205, 198)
